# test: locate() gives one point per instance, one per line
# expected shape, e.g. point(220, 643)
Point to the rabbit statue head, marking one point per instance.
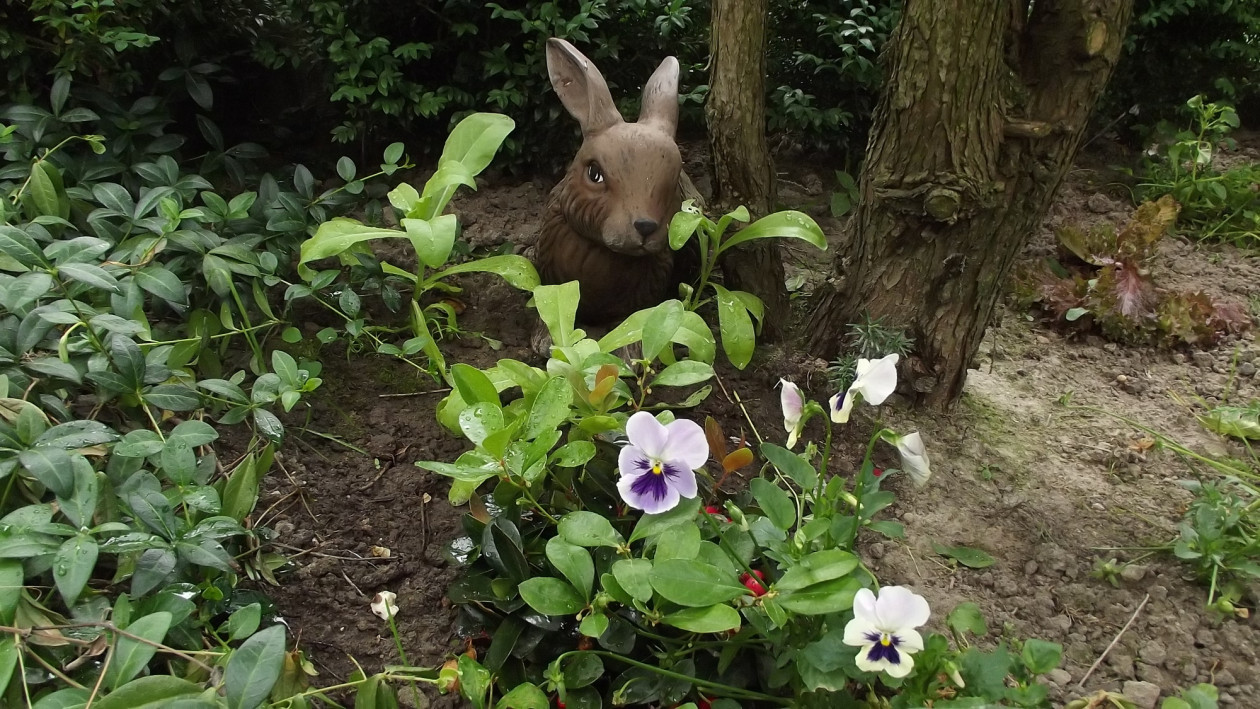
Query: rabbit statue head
point(607, 221)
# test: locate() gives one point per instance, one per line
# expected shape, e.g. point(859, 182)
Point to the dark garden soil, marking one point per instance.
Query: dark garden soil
point(1041, 487)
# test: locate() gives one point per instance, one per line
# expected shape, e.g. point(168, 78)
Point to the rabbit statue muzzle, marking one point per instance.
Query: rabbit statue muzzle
point(607, 221)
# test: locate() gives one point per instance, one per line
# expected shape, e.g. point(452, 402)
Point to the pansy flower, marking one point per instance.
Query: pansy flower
point(884, 629)
point(658, 465)
point(874, 381)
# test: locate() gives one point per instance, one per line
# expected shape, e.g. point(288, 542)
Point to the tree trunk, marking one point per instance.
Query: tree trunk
point(983, 110)
point(743, 171)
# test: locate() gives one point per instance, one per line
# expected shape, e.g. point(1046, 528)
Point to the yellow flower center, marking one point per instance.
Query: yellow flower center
point(885, 640)
point(656, 468)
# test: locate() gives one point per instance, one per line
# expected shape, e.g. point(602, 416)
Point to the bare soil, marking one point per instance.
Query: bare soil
point(1046, 489)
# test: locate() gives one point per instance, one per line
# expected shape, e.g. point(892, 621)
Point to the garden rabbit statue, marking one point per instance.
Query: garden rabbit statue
point(606, 223)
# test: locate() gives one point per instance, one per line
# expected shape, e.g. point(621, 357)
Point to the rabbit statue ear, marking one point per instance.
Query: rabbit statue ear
point(660, 97)
point(581, 87)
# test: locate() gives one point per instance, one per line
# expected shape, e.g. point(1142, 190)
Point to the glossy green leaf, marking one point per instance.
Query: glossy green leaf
point(817, 567)
point(693, 583)
point(649, 526)
point(557, 306)
point(518, 271)
point(821, 598)
point(551, 596)
point(788, 224)
point(710, 619)
point(551, 407)
point(574, 562)
point(796, 468)
point(254, 667)
point(660, 326)
point(736, 327)
point(335, 236)
point(473, 385)
point(244, 621)
point(73, 565)
point(524, 696)
point(774, 501)
point(154, 692)
point(684, 373)
point(588, 529)
point(681, 227)
point(131, 655)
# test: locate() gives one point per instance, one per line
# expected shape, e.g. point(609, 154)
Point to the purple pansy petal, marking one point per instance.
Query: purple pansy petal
point(685, 442)
point(632, 461)
point(681, 478)
point(648, 492)
point(647, 433)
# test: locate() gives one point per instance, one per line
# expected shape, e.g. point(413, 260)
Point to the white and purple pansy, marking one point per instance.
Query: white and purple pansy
point(884, 629)
point(658, 464)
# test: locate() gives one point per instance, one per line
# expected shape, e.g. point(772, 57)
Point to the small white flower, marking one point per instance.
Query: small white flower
point(914, 458)
point(875, 380)
point(884, 628)
point(793, 403)
point(384, 605)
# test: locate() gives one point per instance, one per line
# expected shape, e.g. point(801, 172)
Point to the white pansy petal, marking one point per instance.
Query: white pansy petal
point(902, 668)
point(856, 631)
point(647, 433)
point(685, 442)
point(912, 444)
point(840, 413)
point(864, 607)
point(864, 662)
point(880, 380)
point(632, 462)
point(792, 402)
point(684, 480)
point(909, 641)
point(899, 608)
point(863, 366)
point(792, 437)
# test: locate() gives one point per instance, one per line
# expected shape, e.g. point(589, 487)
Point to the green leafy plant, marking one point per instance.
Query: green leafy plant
point(1104, 280)
point(737, 310)
point(868, 339)
point(430, 233)
point(1214, 203)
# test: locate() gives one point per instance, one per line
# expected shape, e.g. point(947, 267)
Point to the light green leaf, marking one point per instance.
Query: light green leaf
point(337, 235)
point(473, 385)
point(659, 327)
point(681, 227)
point(650, 526)
point(736, 326)
point(789, 224)
point(551, 407)
point(684, 373)
point(557, 306)
point(244, 621)
point(822, 598)
point(516, 270)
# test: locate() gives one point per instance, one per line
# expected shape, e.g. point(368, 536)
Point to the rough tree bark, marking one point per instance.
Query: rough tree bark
point(743, 171)
point(982, 113)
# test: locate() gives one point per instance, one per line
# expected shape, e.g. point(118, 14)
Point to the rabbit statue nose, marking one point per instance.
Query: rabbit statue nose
point(645, 227)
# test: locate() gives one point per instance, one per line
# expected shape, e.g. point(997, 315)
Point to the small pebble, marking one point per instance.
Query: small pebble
point(1202, 359)
point(1143, 694)
point(1133, 573)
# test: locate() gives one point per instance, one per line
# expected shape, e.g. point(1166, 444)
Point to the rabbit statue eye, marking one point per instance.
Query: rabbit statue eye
point(594, 174)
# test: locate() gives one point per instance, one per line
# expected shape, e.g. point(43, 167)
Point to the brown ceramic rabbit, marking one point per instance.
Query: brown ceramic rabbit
point(607, 222)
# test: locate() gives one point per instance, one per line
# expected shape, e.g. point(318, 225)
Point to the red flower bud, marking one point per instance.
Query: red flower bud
point(704, 703)
point(754, 584)
point(877, 472)
point(717, 512)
